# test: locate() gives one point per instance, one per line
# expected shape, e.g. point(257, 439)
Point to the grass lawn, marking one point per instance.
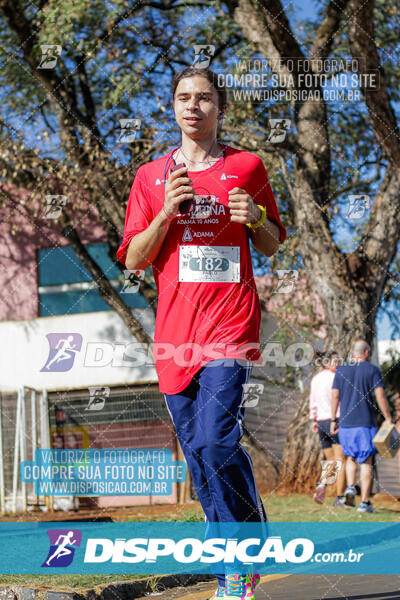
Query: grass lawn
point(299, 507)
point(294, 508)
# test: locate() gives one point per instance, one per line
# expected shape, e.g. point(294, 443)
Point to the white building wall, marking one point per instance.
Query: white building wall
point(100, 361)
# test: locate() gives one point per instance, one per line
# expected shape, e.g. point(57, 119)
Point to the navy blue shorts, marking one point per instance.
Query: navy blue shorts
point(325, 435)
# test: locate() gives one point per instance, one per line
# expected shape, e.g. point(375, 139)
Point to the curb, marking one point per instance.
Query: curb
point(122, 590)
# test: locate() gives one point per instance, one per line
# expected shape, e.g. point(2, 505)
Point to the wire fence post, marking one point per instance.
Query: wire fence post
point(22, 448)
point(2, 483)
point(16, 450)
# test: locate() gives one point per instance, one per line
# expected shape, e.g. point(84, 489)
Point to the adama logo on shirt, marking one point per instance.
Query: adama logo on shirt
point(188, 235)
point(223, 177)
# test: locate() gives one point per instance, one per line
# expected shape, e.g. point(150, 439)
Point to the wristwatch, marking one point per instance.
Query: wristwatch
point(260, 220)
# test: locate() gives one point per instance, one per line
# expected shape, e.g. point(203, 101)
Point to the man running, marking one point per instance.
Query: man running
point(194, 230)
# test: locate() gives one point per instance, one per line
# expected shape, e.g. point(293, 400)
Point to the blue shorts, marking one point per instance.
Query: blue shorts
point(357, 442)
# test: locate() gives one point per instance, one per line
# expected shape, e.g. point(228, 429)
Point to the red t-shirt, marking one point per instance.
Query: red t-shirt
point(208, 306)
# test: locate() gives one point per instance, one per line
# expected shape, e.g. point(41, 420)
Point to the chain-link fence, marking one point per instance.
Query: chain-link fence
point(100, 417)
point(97, 417)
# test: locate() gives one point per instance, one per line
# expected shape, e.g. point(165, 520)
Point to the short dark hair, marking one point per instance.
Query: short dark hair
point(208, 74)
point(323, 358)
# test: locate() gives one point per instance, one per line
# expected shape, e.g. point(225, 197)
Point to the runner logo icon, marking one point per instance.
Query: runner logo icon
point(62, 547)
point(63, 347)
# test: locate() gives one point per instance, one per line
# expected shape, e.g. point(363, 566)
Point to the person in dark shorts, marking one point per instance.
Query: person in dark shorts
point(355, 388)
point(320, 413)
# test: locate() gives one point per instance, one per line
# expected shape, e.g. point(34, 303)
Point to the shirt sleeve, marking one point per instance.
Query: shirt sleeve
point(139, 213)
point(336, 383)
point(313, 402)
point(377, 380)
point(261, 193)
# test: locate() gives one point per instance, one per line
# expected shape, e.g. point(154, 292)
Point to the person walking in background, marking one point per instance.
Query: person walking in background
point(354, 388)
point(320, 413)
point(396, 402)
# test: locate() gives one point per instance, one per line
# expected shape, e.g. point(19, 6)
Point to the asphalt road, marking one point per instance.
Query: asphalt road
point(331, 587)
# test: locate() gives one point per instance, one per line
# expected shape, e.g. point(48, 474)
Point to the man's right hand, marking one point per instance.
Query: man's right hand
point(334, 427)
point(177, 188)
point(314, 427)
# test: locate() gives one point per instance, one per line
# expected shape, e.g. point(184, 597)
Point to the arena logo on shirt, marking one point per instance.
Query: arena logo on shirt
point(159, 181)
point(205, 206)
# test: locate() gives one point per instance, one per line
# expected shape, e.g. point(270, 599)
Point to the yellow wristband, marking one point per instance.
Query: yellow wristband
point(260, 220)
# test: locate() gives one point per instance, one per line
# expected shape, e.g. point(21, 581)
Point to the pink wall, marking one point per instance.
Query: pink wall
point(20, 238)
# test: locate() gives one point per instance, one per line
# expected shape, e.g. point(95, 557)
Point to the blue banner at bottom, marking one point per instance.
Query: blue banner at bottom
point(172, 548)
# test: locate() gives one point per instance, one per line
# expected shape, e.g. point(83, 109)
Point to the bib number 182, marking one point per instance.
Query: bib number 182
point(209, 264)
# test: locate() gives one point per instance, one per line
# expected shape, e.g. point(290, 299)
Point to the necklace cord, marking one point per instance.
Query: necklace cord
point(200, 161)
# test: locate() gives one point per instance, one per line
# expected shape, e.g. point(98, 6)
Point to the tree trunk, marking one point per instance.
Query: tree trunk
point(350, 285)
point(300, 466)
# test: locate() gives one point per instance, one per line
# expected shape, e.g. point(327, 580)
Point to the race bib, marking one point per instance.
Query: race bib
point(209, 263)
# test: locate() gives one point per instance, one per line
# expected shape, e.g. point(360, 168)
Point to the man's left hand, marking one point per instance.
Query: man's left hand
point(242, 208)
point(334, 427)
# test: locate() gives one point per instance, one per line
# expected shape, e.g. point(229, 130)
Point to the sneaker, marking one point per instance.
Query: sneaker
point(255, 579)
point(240, 587)
point(251, 582)
point(340, 501)
point(319, 495)
point(350, 496)
point(366, 507)
point(219, 593)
